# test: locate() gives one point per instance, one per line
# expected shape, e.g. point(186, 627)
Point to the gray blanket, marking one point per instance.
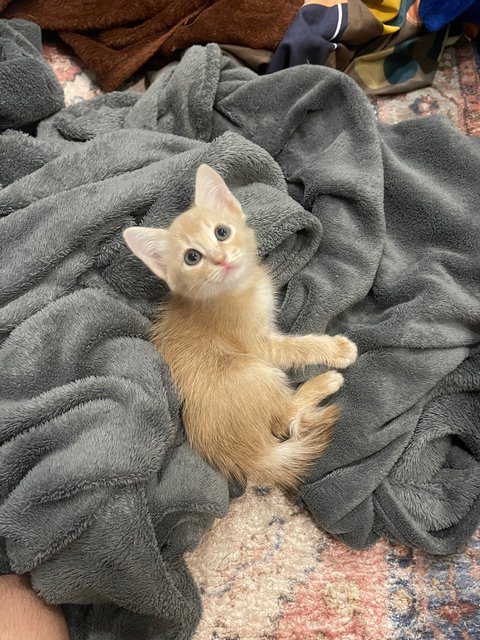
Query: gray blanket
point(29, 90)
point(368, 230)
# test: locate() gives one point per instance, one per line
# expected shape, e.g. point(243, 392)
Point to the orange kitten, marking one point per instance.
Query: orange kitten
point(217, 334)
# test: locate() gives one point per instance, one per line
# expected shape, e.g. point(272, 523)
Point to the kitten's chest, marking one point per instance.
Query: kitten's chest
point(252, 311)
point(230, 324)
point(245, 322)
point(263, 301)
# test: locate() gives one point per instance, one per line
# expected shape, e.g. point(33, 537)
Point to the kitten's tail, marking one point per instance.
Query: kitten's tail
point(287, 462)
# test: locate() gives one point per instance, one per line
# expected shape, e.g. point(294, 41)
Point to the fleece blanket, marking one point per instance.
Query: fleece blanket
point(367, 230)
point(29, 90)
point(115, 39)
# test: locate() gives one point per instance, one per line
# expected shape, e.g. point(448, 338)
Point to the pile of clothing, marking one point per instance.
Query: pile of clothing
point(387, 46)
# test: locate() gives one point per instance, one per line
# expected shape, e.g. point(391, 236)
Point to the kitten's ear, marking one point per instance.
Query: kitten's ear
point(150, 246)
point(211, 192)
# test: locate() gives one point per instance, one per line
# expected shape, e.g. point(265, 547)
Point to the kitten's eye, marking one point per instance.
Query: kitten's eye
point(192, 256)
point(222, 232)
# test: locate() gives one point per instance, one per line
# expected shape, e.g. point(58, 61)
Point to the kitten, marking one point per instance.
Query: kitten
point(217, 334)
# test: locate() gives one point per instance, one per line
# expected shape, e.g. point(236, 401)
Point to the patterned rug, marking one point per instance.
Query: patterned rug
point(266, 572)
point(455, 93)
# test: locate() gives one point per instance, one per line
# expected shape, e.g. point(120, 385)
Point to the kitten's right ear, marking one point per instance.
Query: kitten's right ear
point(150, 246)
point(211, 192)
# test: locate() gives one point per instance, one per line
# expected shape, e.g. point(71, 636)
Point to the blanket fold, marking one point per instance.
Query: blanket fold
point(29, 89)
point(368, 230)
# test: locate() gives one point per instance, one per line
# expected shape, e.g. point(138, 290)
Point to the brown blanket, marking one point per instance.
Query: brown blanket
point(116, 38)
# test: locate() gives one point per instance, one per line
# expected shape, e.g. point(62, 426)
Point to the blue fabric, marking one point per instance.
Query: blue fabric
point(435, 14)
point(308, 40)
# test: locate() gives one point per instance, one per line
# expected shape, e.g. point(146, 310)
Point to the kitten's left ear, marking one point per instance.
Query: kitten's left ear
point(150, 246)
point(211, 192)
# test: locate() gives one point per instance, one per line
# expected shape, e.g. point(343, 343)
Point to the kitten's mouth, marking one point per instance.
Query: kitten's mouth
point(227, 273)
point(228, 268)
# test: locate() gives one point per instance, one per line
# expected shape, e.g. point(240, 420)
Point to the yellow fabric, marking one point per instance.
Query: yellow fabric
point(370, 71)
point(384, 10)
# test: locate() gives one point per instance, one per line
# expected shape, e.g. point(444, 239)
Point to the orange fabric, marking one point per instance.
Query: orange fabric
point(412, 14)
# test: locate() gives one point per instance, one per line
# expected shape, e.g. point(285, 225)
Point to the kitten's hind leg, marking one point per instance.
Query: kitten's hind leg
point(286, 463)
point(305, 400)
point(308, 396)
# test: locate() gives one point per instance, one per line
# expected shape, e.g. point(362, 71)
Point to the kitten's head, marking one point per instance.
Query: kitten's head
point(207, 250)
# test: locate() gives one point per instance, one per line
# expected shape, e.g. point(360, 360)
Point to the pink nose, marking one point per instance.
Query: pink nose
point(222, 261)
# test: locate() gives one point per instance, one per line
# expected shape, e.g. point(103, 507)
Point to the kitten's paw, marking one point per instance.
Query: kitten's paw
point(333, 381)
point(345, 352)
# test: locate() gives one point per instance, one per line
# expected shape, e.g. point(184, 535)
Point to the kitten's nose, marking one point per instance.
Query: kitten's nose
point(222, 260)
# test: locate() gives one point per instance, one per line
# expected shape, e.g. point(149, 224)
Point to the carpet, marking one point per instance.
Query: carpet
point(283, 578)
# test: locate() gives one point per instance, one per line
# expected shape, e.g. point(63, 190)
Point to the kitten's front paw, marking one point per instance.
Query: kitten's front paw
point(345, 352)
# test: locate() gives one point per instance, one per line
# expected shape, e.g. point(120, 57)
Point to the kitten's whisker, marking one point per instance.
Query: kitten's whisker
point(216, 276)
point(198, 282)
point(206, 281)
